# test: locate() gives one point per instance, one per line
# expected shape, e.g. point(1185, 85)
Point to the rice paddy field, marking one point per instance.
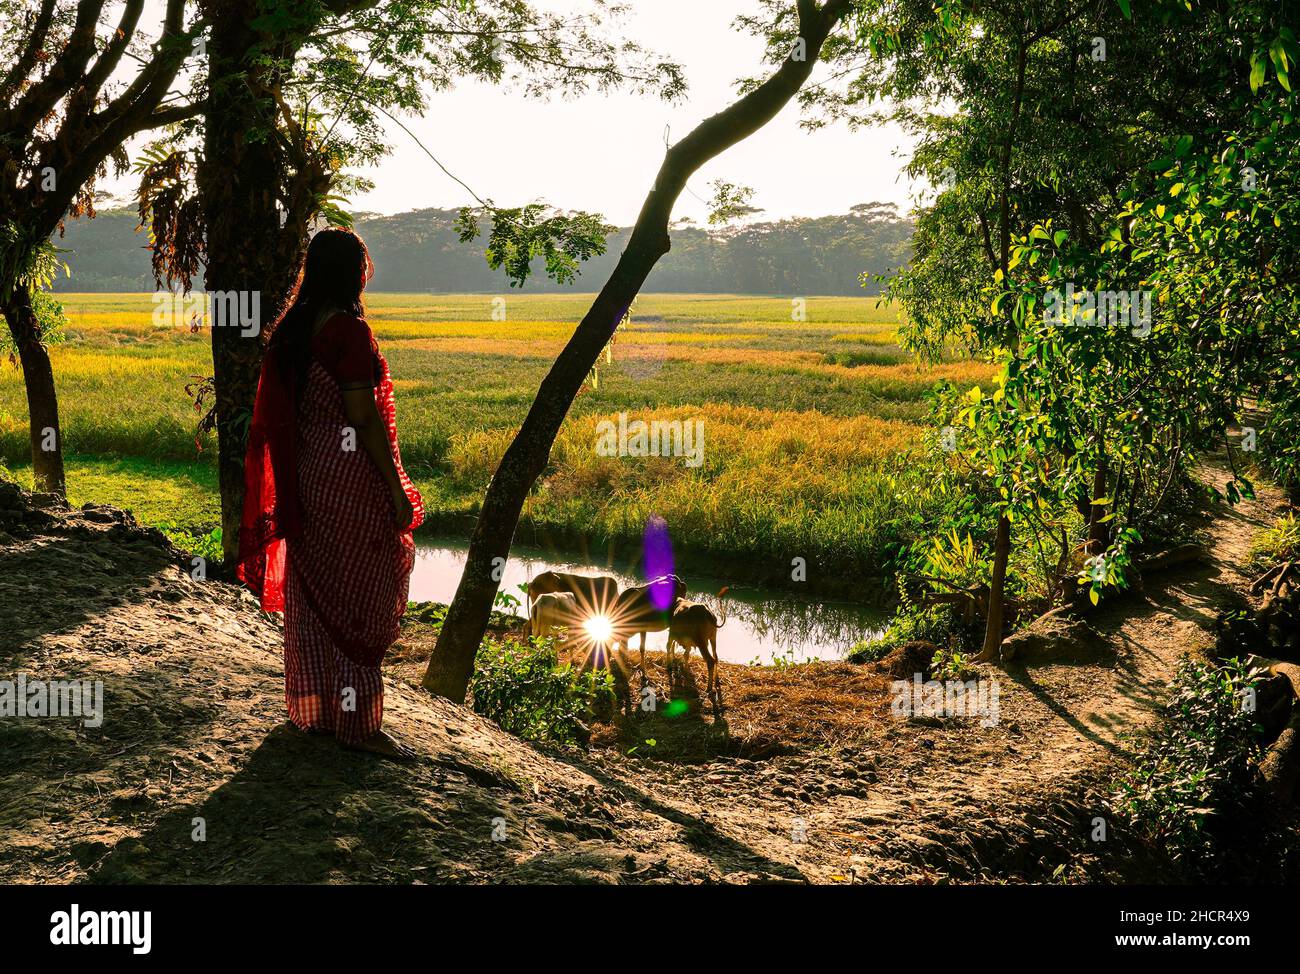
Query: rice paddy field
point(808, 424)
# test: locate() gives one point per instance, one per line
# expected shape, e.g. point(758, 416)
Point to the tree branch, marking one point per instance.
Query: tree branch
point(64, 75)
point(27, 60)
point(107, 62)
point(170, 116)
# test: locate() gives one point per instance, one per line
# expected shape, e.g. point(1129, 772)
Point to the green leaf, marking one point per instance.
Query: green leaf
point(1125, 8)
point(1257, 69)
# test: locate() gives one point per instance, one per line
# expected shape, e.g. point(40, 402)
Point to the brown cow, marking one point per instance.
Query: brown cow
point(635, 610)
point(694, 626)
point(595, 593)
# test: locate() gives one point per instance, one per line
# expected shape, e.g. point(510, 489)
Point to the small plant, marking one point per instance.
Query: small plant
point(429, 613)
point(779, 661)
point(1278, 543)
point(949, 664)
point(522, 687)
point(869, 650)
point(1199, 767)
point(1112, 567)
point(954, 559)
point(206, 546)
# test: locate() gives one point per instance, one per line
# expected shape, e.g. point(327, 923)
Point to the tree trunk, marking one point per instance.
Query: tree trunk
point(1002, 542)
point(1280, 767)
point(452, 662)
point(997, 586)
point(1098, 530)
point(250, 251)
point(42, 400)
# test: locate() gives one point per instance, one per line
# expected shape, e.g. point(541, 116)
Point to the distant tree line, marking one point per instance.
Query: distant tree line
point(420, 251)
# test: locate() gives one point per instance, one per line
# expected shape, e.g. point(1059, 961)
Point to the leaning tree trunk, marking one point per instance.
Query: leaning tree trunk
point(997, 588)
point(452, 662)
point(42, 400)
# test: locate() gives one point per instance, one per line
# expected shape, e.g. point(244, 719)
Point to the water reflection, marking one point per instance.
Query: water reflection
point(760, 623)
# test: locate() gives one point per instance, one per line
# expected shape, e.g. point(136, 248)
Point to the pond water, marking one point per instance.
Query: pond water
point(761, 624)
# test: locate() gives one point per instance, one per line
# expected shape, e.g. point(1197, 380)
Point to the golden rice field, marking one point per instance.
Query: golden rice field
point(807, 424)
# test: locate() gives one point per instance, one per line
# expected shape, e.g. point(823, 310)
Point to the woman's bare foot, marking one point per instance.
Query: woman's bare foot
point(383, 745)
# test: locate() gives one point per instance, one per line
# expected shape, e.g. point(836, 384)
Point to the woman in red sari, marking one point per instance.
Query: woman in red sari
point(328, 509)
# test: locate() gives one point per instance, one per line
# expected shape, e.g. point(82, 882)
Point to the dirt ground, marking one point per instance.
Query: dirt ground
point(803, 775)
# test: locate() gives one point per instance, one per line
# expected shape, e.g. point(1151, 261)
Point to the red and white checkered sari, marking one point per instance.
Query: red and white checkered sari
point(318, 543)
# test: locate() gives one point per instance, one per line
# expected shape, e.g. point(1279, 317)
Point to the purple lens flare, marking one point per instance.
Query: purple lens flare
point(658, 548)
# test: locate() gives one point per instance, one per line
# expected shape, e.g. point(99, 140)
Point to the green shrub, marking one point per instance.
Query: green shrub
point(1281, 542)
point(1198, 768)
point(429, 613)
point(207, 546)
point(935, 624)
point(948, 664)
point(522, 687)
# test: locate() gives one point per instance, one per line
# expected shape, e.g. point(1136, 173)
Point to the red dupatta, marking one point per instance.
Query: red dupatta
point(272, 511)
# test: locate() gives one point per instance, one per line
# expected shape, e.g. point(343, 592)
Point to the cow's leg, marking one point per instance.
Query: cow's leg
point(711, 660)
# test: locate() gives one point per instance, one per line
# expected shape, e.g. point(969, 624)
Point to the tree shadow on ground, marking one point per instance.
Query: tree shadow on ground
point(1193, 593)
point(56, 583)
point(698, 834)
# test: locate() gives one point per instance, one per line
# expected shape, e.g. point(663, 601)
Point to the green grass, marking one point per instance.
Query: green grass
point(1277, 543)
point(179, 498)
point(156, 492)
point(808, 423)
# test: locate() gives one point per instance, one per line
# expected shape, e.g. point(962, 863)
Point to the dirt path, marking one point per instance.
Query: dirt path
point(194, 776)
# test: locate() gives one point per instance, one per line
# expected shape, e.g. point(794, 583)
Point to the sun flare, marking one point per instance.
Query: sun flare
point(599, 628)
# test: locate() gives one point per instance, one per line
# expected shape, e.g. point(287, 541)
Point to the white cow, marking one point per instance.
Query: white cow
point(552, 611)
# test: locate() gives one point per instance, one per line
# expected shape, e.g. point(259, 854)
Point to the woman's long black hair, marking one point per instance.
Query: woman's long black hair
point(334, 273)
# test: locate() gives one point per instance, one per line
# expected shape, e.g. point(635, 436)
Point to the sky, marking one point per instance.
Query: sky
point(600, 152)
